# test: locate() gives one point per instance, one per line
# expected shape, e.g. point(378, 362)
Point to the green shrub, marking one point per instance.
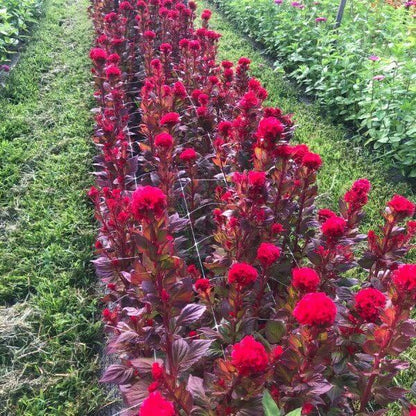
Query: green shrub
point(334, 66)
point(15, 18)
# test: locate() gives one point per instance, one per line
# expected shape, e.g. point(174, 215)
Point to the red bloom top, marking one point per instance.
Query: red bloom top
point(404, 279)
point(305, 279)
point(148, 202)
point(188, 155)
point(249, 356)
point(401, 206)
point(156, 404)
point(315, 309)
point(368, 303)
point(267, 254)
point(169, 119)
point(164, 140)
point(242, 274)
point(202, 285)
point(334, 227)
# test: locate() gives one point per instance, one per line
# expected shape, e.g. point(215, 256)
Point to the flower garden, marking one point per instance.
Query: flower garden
point(225, 282)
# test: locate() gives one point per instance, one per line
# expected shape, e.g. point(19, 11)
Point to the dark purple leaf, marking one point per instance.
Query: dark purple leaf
point(190, 314)
point(117, 374)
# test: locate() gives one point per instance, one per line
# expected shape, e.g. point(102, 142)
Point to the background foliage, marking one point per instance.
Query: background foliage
point(15, 18)
point(334, 66)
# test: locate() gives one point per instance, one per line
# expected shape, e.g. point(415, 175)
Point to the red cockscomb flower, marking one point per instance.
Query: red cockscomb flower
point(270, 128)
point(305, 279)
point(202, 285)
point(126, 6)
point(324, 214)
point(98, 55)
point(112, 71)
point(244, 61)
point(334, 227)
point(114, 58)
point(276, 228)
point(170, 119)
point(188, 155)
point(276, 353)
point(242, 274)
point(268, 254)
point(357, 196)
point(368, 303)
point(412, 411)
point(156, 404)
point(149, 34)
point(315, 309)
point(307, 408)
point(249, 356)
point(401, 206)
point(157, 371)
point(249, 101)
point(206, 14)
point(312, 161)
point(164, 140)
point(165, 48)
point(404, 278)
point(148, 202)
point(257, 179)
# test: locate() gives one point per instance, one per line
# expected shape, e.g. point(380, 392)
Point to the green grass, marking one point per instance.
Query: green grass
point(50, 338)
point(343, 160)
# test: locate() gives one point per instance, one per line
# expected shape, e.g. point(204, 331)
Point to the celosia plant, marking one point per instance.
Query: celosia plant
point(226, 289)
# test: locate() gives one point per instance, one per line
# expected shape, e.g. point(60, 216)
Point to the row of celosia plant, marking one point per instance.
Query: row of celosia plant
point(223, 282)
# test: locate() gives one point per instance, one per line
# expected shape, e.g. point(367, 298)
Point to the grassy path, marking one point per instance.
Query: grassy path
point(49, 337)
point(343, 161)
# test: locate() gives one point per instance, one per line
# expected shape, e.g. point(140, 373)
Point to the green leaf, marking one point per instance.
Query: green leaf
point(274, 331)
point(269, 405)
point(296, 412)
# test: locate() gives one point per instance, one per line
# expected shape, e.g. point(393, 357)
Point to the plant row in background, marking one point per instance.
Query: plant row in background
point(226, 292)
point(362, 73)
point(15, 19)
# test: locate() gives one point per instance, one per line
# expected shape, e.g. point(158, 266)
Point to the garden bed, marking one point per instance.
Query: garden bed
point(227, 291)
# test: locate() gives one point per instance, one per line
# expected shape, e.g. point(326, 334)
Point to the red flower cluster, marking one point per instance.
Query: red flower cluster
point(242, 274)
point(401, 206)
point(164, 140)
point(249, 356)
point(256, 179)
point(270, 128)
point(159, 91)
point(202, 285)
point(334, 227)
point(188, 155)
point(170, 119)
point(312, 161)
point(305, 279)
point(315, 309)
point(98, 55)
point(404, 278)
point(357, 196)
point(368, 303)
point(268, 254)
point(148, 202)
point(156, 404)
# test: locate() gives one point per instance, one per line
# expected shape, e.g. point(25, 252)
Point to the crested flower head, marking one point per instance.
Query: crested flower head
point(315, 309)
point(368, 303)
point(156, 404)
point(148, 202)
point(249, 356)
point(242, 274)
